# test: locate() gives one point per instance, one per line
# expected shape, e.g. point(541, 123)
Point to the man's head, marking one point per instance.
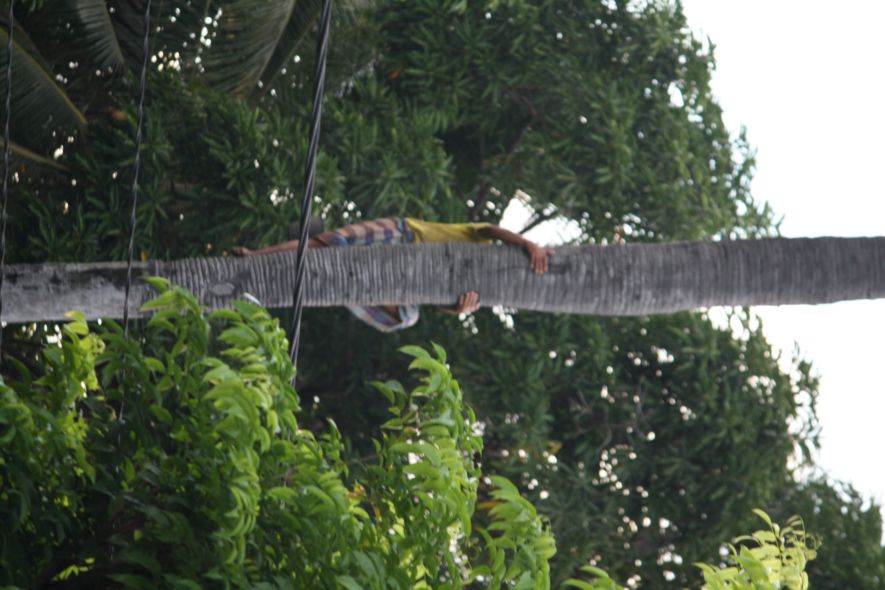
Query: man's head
point(315, 228)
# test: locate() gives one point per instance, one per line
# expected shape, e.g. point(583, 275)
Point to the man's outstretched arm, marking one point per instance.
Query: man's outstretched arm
point(290, 245)
point(537, 255)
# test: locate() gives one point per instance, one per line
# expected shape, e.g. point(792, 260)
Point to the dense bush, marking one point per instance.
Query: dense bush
point(179, 462)
point(602, 111)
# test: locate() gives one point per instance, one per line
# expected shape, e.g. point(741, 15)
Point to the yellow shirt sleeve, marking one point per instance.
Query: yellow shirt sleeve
point(428, 231)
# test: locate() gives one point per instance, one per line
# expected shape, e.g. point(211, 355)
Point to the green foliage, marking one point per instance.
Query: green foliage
point(184, 466)
point(646, 439)
point(73, 60)
point(438, 110)
point(770, 559)
point(601, 110)
point(777, 560)
point(851, 554)
point(189, 157)
point(601, 580)
point(37, 96)
point(203, 147)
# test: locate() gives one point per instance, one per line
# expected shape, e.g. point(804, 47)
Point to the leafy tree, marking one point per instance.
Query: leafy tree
point(70, 57)
point(209, 480)
point(849, 526)
point(646, 439)
point(183, 465)
point(601, 110)
point(510, 117)
point(774, 557)
point(436, 110)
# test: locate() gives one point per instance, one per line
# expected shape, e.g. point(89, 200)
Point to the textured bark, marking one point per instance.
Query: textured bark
point(633, 279)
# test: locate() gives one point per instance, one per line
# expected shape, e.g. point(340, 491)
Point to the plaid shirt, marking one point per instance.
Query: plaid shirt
point(392, 230)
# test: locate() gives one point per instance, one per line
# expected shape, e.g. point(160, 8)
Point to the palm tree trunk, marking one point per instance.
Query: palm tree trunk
point(632, 279)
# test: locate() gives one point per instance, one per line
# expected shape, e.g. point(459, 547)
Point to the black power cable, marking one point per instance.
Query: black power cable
point(309, 177)
point(136, 164)
point(6, 158)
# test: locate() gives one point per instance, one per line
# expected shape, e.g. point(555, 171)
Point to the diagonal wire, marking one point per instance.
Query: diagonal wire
point(136, 164)
point(310, 174)
point(6, 158)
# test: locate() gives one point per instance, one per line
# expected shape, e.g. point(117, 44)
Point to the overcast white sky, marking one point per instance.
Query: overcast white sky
point(806, 78)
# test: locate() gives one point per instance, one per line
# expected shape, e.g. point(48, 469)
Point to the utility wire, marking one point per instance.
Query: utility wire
point(137, 163)
point(6, 157)
point(309, 177)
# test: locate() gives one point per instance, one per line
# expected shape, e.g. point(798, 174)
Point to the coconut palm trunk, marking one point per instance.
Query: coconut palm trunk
point(632, 279)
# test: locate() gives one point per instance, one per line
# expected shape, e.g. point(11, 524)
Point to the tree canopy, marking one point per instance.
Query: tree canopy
point(179, 462)
point(645, 441)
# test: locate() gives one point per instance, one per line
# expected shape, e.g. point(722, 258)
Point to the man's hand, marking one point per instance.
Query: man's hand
point(468, 302)
point(241, 251)
point(538, 256)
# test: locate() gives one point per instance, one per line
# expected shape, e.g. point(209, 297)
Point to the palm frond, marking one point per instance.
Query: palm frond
point(300, 37)
point(20, 152)
point(242, 41)
point(98, 31)
point(127, 22)
point(77, 31)
point(39, 104)
point(293, 37)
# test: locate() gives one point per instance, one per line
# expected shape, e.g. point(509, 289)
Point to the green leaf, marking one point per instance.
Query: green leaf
point(434, 368)
point(225, 314)
point(154, 364)
point(504, 484)
point(161, 413)
point(422, 469)
point(160, 284)
point(78, 324)
point(241, 336)
point(142, 558)
point(415, 351)
point(165, 299)
point(440, 352)
point(385, 390)
point(761, 514)
point(348, 583)
point(23, 153)
point(324, 498)
point(283, 494)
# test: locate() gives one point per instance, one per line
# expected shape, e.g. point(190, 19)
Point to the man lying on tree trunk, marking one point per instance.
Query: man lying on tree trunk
point(406, 230)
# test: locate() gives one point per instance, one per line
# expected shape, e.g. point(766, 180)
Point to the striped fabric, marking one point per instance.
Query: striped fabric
point(392, 230)
point(383, 320)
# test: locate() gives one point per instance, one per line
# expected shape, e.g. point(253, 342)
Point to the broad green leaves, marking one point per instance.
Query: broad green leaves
point(770, 559)
point(574, 103)
point(431, 449)
point(177, 460)
point(774, 558)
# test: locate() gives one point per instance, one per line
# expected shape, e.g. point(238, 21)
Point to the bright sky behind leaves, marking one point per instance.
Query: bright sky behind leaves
point(807, 80)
